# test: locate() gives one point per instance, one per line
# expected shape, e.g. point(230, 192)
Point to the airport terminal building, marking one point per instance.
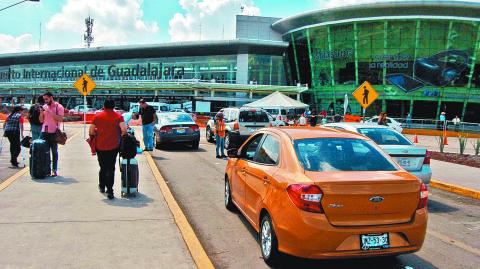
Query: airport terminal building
point(421, 57)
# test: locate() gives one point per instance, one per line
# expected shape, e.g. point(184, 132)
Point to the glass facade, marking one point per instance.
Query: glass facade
point(266, 69)
point(422, 66)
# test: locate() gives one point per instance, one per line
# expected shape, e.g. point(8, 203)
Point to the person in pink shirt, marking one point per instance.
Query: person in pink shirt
point(52, 115)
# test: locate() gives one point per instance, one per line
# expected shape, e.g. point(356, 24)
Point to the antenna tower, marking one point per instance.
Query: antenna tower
point(88, 37)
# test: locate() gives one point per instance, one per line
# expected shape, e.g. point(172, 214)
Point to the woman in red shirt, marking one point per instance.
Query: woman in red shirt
point(107, 127)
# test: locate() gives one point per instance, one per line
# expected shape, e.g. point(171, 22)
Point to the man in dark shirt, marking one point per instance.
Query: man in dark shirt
point(149, 118)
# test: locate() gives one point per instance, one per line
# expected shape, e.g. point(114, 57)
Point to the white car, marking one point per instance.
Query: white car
point(415, 160)
point(395, 125)
point(83, 108)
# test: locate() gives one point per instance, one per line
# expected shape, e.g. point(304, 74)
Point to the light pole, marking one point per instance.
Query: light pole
point(19, 3)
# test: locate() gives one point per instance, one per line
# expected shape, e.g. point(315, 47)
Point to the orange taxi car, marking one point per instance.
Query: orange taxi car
point(321, 193)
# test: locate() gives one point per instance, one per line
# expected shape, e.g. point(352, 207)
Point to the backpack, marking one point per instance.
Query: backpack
point(128, 146)
point(34, 115)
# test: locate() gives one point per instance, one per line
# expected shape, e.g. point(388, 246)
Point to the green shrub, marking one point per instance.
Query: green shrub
point(441, 144)
point(462, 141)
point(476, 146)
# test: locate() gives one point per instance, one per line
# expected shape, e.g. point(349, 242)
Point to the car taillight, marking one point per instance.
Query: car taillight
point(235, 126)
point(426, 160)
point(306, 197)
point(423, 196)
point(194, 128)
point(165, 129)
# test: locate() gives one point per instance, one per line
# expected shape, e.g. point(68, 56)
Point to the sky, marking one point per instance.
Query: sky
point(59, 24)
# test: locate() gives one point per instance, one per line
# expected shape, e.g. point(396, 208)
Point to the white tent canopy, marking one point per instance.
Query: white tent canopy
point(276, 100)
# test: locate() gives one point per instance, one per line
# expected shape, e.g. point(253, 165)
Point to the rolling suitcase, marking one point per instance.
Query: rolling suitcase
point(129, 170)
point(39, 159)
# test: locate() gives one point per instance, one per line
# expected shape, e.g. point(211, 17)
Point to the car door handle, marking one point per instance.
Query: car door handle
point(244, 170)
point(266, 180)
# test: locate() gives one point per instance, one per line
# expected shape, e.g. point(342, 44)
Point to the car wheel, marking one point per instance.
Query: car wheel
point(268, 241)
point(195, 144)
point(209, 135)
point(228, 196)
point(227, 141)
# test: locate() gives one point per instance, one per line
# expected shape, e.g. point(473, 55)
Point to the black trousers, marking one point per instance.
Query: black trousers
point(14, 139)
point(106, 176)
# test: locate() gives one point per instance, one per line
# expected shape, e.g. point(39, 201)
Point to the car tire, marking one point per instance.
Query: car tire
point(209, 135)
point(228, 142)
point(228, 196)
point(195, 144)
point(155, 142)
point(268, 241)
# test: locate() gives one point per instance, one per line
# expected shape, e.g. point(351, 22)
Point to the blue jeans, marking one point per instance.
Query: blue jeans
point(148, 136)
point(53, 146)
point(220, 145)
point(36, 131)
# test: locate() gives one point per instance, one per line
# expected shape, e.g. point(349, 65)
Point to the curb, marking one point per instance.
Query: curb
point(471, 193)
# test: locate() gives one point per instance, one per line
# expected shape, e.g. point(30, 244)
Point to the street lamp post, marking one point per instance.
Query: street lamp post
point(19, 3)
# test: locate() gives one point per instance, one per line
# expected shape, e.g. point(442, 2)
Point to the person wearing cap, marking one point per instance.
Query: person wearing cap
point(149, 118)
point(442, 119)
point(220, 136)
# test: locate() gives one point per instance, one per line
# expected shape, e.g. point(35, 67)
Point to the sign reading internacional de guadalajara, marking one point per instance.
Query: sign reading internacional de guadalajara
point(110, 72)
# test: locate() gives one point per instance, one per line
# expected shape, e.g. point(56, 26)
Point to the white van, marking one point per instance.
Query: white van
point(159, 107)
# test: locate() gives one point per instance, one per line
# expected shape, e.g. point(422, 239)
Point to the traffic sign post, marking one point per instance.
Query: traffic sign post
point(84, 85)
point(365, 96)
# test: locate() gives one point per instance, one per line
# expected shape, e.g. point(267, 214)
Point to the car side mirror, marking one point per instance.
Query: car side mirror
point(233, 153)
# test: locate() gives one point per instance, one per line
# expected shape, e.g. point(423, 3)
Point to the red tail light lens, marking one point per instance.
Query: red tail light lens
point(426, 160)
point(306, 197)
point(235, 126)
point(165, 129)
point(194, 128)
point(423, 196)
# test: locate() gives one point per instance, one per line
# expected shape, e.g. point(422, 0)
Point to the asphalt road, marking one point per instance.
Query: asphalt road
point(196, 179)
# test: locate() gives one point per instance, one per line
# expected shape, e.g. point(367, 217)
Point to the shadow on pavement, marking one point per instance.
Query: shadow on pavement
point(141, 200)
point(158, 158)
point(57, 180)
point(439, 207)
point(180, 147)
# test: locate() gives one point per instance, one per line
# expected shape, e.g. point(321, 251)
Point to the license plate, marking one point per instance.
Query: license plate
point(374, 241)
point(404, 162)
point(180, 131)
point(251, 130)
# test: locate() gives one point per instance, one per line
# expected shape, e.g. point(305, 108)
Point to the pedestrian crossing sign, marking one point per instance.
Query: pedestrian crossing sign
point(365, 94)
point(84, 85)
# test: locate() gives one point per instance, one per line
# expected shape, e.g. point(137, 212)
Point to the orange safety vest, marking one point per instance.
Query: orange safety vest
point(220, 128)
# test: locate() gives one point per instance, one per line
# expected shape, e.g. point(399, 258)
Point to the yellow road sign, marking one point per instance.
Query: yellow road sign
point(365, 94)
point(84, 84)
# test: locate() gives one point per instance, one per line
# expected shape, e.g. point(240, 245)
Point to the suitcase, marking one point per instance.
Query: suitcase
point(129, 170)
point(39, 159)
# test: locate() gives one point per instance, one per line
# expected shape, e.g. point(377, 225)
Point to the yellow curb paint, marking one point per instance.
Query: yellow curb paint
point(475, 194)
point(22, 172)
point(196, 249)
point(11, 179)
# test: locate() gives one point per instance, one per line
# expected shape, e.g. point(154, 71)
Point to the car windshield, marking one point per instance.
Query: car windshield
point(384, 136)
point(174, 118)
point(253, 116)
point(340, 154)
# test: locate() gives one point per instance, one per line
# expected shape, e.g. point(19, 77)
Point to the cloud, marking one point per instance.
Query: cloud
point(10, 44)
point(116, 22)
point(208, 19)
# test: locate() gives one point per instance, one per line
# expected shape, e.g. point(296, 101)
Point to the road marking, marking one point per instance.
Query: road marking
point(475, 194)
point(196, 249)
point(454, 242)
point(22, 172)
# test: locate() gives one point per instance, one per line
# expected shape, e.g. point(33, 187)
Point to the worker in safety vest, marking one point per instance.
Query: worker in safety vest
point(220, 136)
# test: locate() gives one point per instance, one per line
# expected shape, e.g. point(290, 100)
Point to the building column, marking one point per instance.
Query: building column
point(250, 94)
point(295, 56)
point(417, 42)
point(212, 93)
point(312, 67)
point(298, 97)
point(332, 71)
point(355, 40)
point(385, 47)
point(473, 58)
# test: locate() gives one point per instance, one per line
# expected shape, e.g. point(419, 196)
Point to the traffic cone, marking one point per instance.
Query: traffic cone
point(445, 138)
point(415, 139)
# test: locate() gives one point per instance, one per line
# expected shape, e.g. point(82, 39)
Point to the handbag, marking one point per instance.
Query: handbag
point(60, 136)
point(26, 142)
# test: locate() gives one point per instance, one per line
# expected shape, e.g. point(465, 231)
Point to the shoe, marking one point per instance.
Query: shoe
point(54, 174)
point(223, 156)
point(110, 195)
point(14, 164)
point(218, 157)
point(101, 189)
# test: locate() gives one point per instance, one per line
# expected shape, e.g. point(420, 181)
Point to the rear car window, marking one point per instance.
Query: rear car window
point(253, 116)
point(340, 154)
point(166, 118)
point(384, 136)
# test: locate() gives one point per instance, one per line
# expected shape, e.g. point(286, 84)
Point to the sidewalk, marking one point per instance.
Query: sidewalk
point(64, 222)
point(430, 142)
point(456, 174)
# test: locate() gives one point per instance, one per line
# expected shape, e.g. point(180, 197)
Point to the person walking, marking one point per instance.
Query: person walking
point(52, 115)
point(13, 131)
point(35, 117)
point(409, 120)
point(220, 136)
point(107, 126)
point(149, 118)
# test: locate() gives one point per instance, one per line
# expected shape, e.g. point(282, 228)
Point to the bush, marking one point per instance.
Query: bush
point(440, 141)
point(476, 146)
point(462, 141)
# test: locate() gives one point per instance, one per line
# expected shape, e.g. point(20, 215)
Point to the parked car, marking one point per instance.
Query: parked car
point(240, 123)
point(415, 160)
point(159, 107)
point(83, 109)
point(395, 125)
point(175, 127)
point(276, 121)
point(178, 110)
point(322, 193)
